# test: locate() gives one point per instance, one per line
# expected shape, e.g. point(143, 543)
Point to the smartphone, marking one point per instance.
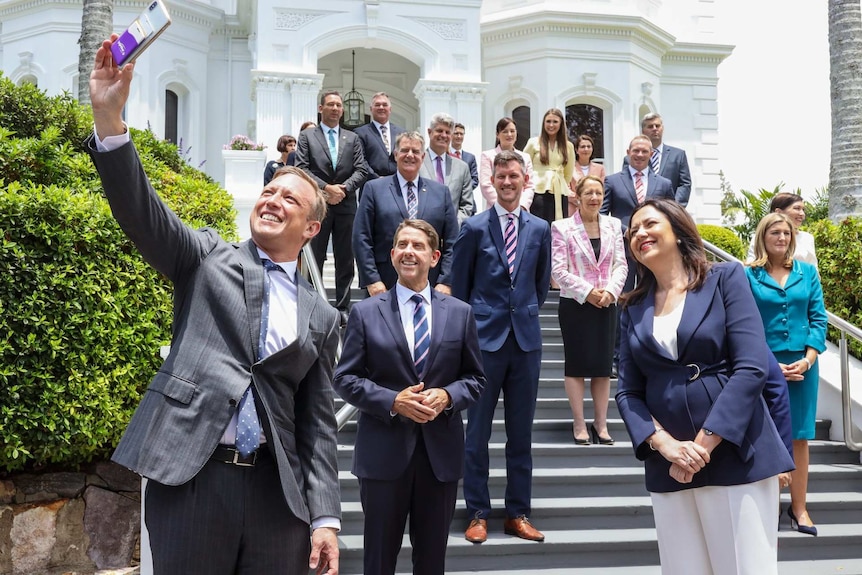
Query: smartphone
point(141, 33)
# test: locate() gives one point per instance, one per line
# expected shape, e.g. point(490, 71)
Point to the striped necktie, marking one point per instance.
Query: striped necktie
point(639, 187)
point(384, 133)
point(510, 239)
point(421, 335)
point(655, 161)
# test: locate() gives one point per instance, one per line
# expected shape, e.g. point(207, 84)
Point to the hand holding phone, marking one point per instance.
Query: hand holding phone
point(141, 33)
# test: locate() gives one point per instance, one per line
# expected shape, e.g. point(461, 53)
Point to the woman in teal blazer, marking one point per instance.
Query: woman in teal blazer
point(790, 299)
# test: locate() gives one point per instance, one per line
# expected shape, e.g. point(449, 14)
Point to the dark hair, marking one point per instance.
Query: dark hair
point(585, 138)
point(307, 124)
point(506, 156)
point(459, 125)
point(422, 226)
point(501, 125)
point(688, 241)
point(328, 93)
point(283, 141)
point(561, 140)
point(783, 200)
point(318, 208)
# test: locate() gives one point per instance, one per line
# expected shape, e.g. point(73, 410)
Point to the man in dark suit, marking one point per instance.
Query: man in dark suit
point(466, 157)
point(440, 167)
point(666, 161)
point(386, 202)
point(502, 267)
point(236, 431)
point(628, 188)
point(333, 157)
point(410, 387)
point(378, 138)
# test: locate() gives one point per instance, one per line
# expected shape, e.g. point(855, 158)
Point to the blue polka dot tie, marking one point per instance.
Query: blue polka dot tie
point(248, 423)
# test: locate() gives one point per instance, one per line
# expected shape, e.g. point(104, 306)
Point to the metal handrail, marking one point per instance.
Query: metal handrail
point(844, 328)
point(309, 266)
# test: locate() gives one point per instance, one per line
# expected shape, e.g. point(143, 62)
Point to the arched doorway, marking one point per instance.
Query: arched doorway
point(590, 120)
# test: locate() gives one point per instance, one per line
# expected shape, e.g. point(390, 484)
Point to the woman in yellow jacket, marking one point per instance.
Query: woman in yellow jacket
point(553, 158)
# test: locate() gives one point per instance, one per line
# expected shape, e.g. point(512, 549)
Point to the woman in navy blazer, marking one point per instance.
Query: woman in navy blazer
point(790, 300)
point(693, 369)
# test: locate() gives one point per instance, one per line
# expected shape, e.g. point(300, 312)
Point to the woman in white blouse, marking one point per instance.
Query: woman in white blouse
point(507, 134)
point(792, 206)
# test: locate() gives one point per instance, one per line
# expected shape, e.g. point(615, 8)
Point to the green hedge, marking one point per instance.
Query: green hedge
point(723, 238)
point(839, 257)
point(82, 317)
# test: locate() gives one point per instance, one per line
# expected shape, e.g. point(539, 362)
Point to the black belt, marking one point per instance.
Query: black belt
point(230, 454)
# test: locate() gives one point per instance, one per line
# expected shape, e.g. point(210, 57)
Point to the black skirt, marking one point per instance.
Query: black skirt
point(588, 338)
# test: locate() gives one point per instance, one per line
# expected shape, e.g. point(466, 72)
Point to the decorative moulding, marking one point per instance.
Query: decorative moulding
point(445, 28)
point(292, 19)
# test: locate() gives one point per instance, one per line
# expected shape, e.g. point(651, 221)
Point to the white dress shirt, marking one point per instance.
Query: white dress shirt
point(644, 178)
point(503, 217)
point(407, 307)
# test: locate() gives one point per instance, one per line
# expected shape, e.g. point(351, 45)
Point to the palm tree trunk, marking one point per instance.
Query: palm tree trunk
point(845, 61)
point(96, 25)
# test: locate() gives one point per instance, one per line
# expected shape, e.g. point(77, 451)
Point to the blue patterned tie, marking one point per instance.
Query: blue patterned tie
point(333, 152)
point(421, 336)
point(510, 239)
point(248, 423)
point(412, 201)
point(655, 161)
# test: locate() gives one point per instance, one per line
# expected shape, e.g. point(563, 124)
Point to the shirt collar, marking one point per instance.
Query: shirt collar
point(402, 181)
point(288, 267)
point(404, 293)
point(633, 171)
point(501, 211)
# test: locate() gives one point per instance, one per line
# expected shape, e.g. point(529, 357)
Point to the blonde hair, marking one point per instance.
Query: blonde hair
point(761, 258)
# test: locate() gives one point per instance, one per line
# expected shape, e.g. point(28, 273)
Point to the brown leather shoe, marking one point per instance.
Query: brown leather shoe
point(521, 527)
point(477, 532)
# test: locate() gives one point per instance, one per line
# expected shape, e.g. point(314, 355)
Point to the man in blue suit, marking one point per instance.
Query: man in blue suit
point(457, 142)
point(378, 138)
point(410, 387)
point(666, 161)
point(502, 263)
point(386, 202)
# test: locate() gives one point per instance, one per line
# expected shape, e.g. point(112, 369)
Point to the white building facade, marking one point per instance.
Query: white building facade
point(228, 67)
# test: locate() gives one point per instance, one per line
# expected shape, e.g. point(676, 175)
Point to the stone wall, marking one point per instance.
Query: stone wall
point(70, 523)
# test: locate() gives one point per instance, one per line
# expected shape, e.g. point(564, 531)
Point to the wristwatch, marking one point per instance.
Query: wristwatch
point(707, 432)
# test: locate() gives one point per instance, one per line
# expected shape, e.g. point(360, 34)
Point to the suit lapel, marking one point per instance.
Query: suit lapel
point(322, 138)
point(440, 315)
point(421, 198)
point(579, 233)
point(392, 318)
point(606, 232)
point(497, 235)
point(448, 161)
point(306, 300)
point(252, 274)
point(629, 185)
point(642, 318)
point(395, 188)
point(697, 306)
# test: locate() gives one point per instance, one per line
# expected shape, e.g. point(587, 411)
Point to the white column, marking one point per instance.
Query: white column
point(269, 98)
point(434, 98)
point(303, 99)
point(469, 107)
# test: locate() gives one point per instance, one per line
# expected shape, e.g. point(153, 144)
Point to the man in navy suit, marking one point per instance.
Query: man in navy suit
point(457, 142)
point(378, 138)
point(386, 202)
point(502, 263)
point(667, 161)
point(410, 387)
point(333, 157)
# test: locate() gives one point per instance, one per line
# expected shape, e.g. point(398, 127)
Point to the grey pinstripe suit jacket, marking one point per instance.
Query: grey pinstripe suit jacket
point(218, 289)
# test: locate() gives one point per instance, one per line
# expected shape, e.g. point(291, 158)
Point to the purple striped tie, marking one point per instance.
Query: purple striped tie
point(510, 238)
point(421, 335)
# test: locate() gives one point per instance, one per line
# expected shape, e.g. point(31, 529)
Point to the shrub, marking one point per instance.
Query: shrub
point(839, 256)
point(723, 238)
point(82, 316)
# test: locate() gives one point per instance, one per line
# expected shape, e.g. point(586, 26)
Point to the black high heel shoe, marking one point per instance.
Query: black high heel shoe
point(807, 529)
point(598, 439)
point(580, 441)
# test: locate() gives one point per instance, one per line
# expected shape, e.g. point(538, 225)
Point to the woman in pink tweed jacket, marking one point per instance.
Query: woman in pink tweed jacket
point(588, 261)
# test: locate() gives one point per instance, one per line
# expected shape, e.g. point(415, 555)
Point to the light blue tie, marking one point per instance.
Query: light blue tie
point(421, 335)
point(248, 423)
point(333, 152)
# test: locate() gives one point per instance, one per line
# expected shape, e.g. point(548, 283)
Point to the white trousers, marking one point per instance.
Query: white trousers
point(719, 530)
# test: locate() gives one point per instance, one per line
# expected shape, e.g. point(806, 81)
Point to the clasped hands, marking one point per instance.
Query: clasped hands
point(794, 371)
point(335, 193)
point(421, 405)
point(686, 457)
point(600, 298)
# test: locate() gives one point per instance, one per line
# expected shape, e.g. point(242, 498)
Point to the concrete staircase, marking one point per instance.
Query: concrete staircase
point(592, 506)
